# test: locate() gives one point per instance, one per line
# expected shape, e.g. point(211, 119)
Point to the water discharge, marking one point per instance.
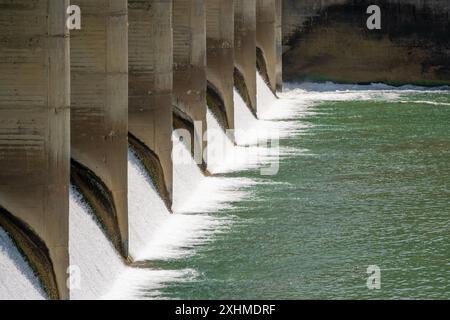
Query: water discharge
point(371, 189)
point(21, 282)
point(95, 261)
point(155, 233)
point(203, 206)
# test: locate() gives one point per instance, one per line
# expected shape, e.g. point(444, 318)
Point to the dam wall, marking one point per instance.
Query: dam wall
point(73, 103)
point(245, 51)
point(99, 113)
point(268, 41)
point(189, 69)
point(220, 59)
point(329, 40)
point(279, 44)
point(150, 89)
point(34, 136)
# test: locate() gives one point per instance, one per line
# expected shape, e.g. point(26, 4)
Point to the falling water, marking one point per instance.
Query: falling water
point(253, 137)
point(265, 97)
point(147, 212)
point(157, 234)
point(195, 193)
point(90, 252)
point(20, 282)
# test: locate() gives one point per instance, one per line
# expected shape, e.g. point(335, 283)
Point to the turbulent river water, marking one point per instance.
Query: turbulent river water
point(363, 180)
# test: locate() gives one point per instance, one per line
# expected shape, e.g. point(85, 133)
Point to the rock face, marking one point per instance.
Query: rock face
point(329, 40)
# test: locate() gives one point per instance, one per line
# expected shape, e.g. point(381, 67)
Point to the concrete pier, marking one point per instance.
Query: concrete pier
point(189, 74)
point(99, 113)
point(220, 59)
point(34, 136)
point(71, 104)
point(150, 89)
point(279, 44)
point(245, 51)
point(268, 41)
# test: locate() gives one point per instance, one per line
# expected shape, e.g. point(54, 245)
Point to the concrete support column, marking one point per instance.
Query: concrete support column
point(245, 51)
point(279, 43)
point(34, 135)
point(220, 53)
point(150, 88)
point(99, 117)
point(268, 40)
point(189, 74)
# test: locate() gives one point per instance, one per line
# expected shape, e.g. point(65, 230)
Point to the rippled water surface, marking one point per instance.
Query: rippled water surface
point(371, 187)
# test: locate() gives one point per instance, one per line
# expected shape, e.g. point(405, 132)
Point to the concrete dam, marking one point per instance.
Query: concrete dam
point(123, 121)
point(91, 93)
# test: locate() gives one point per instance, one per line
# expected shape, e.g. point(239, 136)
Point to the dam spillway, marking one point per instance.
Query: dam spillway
point(73, 101)
point(127, 128)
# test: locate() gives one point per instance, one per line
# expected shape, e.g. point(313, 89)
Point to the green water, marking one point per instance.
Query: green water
point(373, 189)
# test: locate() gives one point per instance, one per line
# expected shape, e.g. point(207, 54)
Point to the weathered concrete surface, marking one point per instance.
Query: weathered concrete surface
point(220, 54)
point(279, 43)
point(99, 111)
point(150, 87)
point(329, 40)
point(34, 135)
point(245, 50)
point(189, 74)
point(268, 41)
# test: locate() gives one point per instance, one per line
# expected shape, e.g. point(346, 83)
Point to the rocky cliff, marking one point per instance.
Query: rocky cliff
point(329, 40)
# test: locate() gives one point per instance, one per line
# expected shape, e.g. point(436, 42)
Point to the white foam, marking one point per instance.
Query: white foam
point(254, 137)
point(310, 93)
point(146, 210)
point(103, 273)
point(90, 252)
point(335, 87)
point(265, 98)
point(195, 193)
point(155, 233)
point(17, 279)
point(225, 157)
point(141, 284)
point(433, 103)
